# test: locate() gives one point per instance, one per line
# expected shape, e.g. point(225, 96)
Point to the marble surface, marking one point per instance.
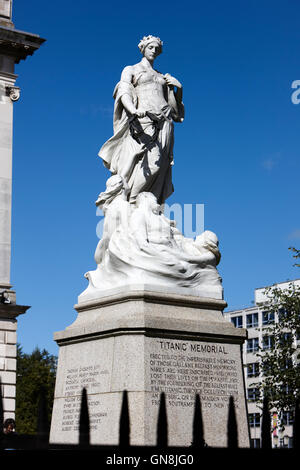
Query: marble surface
point(141, 245)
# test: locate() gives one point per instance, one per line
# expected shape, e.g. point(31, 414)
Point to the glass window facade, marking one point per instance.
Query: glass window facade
point(254, 420)
point(267, 342)
point(252, 345)
point(268, 318)
point(252, 394)
point(237, 321)
point(253, 369)
point(251, 320)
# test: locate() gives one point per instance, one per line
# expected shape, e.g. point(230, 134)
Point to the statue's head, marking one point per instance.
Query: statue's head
point(115, 182)
point(115, 186)
point(150, 45)
point(210, 237)
point(209, 241)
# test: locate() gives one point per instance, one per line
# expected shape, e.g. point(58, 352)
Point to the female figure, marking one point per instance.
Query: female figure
point(146, 104)
point(113, 202)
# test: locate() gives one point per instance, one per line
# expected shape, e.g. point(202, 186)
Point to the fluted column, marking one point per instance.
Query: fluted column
point(15, 45)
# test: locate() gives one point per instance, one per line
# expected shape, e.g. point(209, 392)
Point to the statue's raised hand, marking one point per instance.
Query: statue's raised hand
point(171, 81)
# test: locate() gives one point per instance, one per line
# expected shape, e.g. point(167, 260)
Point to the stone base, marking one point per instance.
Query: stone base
point(149, 342)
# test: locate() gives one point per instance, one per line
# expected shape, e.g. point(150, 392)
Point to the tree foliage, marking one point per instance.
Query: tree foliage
point(280, 362)
point(296, 255)
point(36, 374)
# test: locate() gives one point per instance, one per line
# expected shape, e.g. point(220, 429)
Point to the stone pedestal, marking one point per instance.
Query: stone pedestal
point(149, 341)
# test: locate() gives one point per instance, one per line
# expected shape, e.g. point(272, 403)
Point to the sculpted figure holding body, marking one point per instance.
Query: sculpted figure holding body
point(140, 245)
point(146, 104)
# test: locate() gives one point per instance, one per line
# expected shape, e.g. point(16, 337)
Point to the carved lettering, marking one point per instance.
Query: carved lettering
point(89, 377)
point(181, 369)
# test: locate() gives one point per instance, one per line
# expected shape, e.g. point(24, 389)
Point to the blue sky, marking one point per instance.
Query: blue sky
point(237, 151)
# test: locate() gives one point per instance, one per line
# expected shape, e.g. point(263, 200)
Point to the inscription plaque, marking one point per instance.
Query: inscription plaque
point(181, 369)
point(76, 379)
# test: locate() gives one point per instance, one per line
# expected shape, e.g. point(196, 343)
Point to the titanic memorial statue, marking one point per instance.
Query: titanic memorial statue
point(140, 245)
point(150, 319)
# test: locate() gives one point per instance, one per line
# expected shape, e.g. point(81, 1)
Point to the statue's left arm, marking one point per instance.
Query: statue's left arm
point(175, 97)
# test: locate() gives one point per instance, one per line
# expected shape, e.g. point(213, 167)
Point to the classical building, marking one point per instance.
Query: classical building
point(15, 45)
point(255, 319)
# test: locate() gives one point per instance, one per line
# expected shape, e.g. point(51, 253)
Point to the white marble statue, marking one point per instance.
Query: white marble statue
point(139, 244)
point(146, 104)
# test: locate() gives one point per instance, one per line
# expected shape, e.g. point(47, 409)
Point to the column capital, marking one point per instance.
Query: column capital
point(13, 92)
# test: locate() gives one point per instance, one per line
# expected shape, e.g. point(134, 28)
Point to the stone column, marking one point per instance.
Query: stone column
point(14, 46)
point(8, 353)
point(8, 94)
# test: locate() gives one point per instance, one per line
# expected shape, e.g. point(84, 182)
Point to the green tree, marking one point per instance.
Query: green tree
point(36, 374)
point(280, 360)
point(296, 255)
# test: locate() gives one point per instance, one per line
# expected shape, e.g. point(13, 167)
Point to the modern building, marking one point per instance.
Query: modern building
point(255, 319)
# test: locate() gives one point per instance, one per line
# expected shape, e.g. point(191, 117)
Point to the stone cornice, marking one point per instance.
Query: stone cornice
point(12, 310)
point(18, 44)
